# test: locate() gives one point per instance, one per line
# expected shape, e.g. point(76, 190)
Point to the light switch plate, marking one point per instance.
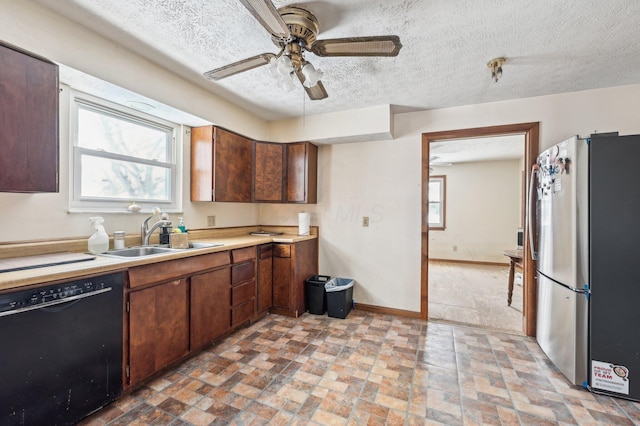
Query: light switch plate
point(365, 221)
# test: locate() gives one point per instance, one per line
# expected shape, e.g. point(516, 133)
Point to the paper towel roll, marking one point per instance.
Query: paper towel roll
point(304, 221)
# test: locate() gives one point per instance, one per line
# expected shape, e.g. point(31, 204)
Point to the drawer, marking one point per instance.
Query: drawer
point(265, 251)
point(243, 254)
point(242, 293)
point(172, 269)
point(282, 250)
point(243, 313)
point(243, 272)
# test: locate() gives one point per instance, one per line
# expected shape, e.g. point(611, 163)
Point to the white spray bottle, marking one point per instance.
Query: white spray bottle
point(99, 241)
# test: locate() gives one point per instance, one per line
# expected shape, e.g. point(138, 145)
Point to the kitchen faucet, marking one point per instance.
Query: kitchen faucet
point(145, 231)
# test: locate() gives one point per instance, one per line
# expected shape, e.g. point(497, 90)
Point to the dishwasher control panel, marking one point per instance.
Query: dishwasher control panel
point(57, 293)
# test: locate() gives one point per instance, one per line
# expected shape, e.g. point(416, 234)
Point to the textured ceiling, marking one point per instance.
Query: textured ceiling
point(551, 46)
point(493, 148)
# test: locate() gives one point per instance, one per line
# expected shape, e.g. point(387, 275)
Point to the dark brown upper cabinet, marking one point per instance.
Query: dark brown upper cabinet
point(226, 166)
point(302, 173)
point(221, 167)
point(29, 137)
point(269, 172)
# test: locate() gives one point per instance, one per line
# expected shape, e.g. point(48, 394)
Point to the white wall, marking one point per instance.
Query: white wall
point(44, 216)
point(482, 211)
point(382, 179)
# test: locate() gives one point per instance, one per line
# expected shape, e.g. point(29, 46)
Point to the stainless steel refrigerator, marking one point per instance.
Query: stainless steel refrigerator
point(588, 209)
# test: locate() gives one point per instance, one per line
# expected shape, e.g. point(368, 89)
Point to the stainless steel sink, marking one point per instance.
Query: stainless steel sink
point(139, 251)
point(204, 245)
point(143, 251)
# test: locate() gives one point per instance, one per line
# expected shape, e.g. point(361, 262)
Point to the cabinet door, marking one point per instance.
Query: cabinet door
point(28, 122)
point(302, 171)
point(305, 258)
point(268, 172)
point(292, 265)
point(202, 163)
point(158, 328)
point(282, 278)
point(220, 165)
point(210, 306)
point(265, 277)
point(232, 167)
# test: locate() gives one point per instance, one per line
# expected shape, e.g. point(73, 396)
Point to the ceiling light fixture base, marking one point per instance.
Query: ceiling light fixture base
point(495, 65)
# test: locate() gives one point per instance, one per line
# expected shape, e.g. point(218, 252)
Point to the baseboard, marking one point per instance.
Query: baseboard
point(470, 262)
point(387, 311)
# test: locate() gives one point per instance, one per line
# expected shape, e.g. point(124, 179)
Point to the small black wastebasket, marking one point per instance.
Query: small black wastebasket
point(315, 296)
point(339, 296)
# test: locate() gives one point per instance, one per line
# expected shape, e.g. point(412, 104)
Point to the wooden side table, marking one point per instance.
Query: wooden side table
point(515, 259)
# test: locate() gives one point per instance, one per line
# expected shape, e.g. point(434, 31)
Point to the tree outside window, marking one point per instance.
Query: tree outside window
point(436, 197)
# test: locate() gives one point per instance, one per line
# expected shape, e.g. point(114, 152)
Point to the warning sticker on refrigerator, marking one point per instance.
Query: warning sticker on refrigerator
point(611, 377)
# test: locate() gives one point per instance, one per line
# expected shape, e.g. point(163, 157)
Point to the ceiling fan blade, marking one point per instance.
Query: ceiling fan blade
point(316, 92)
point(267, 14)
point(240, 66)
point(358, 46)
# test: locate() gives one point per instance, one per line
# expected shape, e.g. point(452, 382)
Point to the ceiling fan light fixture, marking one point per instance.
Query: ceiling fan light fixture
point(273, 67)
point(285, 67)
point(311, 75)
point(495, 65)
point(286, 83)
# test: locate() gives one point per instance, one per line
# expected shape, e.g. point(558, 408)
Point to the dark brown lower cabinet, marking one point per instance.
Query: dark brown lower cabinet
point(243, 285)
point(179, 306)
point(210, 306)
point(265, 278)
point(292, 265)
point(158, 328)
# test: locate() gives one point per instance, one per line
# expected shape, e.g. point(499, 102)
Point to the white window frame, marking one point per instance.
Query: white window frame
point(79, 204)
point(438, 226)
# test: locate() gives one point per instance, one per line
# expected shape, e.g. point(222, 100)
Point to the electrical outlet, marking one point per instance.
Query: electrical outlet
point(211, 221)
point(365, 221)
point(455, 248)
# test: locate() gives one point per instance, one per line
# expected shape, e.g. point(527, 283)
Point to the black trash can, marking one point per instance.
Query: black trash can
point(315, 296)
point(339, 296)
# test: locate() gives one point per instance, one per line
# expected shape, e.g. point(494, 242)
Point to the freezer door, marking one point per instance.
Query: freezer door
point(562, 221)
point(562, 328)
point(614, 276)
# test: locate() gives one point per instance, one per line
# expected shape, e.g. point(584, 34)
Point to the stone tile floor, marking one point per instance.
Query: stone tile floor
point(368, 369)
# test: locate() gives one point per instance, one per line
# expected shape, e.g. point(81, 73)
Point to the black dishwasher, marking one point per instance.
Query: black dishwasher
point(60, 350)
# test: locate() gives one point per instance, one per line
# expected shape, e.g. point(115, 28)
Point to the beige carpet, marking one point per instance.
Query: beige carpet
point(474, 295)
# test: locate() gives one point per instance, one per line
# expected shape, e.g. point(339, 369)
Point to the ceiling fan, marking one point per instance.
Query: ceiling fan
point(434, 161)
point(295, 31)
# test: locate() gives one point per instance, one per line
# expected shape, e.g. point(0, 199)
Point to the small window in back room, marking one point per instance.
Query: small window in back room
point(437, 198)
point(120, 156)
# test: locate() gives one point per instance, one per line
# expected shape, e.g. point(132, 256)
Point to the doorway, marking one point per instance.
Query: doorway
point(468, 271)
point(530, 131)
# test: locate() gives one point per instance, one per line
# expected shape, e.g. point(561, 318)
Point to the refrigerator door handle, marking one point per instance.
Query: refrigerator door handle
point(534, 253)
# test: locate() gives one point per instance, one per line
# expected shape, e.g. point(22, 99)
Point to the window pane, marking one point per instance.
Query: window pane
point(434, 213)
point(100, 131)
point(434, 191)
point(106, 178)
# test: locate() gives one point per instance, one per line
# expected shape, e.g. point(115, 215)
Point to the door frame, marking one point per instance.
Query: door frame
point(531, 132)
